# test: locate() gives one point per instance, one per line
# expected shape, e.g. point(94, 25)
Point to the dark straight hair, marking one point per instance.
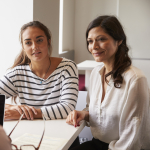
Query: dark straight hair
point(113, 27)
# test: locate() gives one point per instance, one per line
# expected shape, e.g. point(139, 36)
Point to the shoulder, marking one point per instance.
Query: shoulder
point(66, 67)
point(133, 74)
point(63, 61)
point(19, 69)
point(66, 61)
point(97, 69)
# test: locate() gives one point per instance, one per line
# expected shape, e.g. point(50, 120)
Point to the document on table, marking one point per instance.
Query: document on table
point(48, 143)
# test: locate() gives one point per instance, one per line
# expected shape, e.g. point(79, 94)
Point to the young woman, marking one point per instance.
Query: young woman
point(44, 84)
point(118, 99)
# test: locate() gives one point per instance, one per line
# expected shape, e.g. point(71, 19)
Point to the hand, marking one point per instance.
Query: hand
point(75, 117)
point(29, 111)
point(11, 114)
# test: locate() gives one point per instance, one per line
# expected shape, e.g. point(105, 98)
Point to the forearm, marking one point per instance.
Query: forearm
point(59, 111)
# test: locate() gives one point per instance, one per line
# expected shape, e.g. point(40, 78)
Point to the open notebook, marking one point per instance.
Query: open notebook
point(2, 108)
point(48, 143)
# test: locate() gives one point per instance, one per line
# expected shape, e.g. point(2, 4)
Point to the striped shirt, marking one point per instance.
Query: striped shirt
point(56, 96)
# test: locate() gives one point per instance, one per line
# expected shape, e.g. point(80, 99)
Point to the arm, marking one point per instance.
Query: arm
point(4, 141)
point(134, 116)
point(68, 95)
point(8, 88)
point(76, 116)
point(14, 112)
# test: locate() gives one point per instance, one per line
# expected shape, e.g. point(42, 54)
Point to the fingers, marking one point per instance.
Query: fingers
point(7, 117)
point(15, 110)
point(7, 114)
point(78, 120)
point(29, 112)
point(72, 118)
point(69, 119)
point(11, 114)
point(34, 110)
point(19, 110)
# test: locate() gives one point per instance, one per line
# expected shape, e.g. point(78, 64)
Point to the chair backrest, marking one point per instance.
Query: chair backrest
point(81, 102)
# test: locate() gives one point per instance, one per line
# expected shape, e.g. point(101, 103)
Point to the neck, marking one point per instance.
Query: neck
point(109, 66)
point(40, 68)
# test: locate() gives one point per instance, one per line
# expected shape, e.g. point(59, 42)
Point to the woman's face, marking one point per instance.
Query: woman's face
point(101, 45)
point(35, 45)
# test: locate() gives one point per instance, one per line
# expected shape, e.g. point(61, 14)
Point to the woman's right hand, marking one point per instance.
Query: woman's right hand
point(75, 117)
point(28, 111)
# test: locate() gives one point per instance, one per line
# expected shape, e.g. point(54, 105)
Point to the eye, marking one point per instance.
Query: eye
point(40, 40)
point(101, 39)
point(90, 41)
point(28, 43)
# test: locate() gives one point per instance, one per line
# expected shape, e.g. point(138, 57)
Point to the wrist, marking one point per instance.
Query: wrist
point(86, 117)
point(38, 115)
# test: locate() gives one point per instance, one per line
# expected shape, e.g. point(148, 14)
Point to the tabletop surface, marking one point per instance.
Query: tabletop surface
point(88, 65)
point(53, 128)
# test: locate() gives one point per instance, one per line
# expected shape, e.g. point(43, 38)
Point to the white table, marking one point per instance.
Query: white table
point(88, 66)
point(53, 128)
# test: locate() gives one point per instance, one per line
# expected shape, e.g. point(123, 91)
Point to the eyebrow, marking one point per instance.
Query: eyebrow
point(96, 37)
point(36, 37)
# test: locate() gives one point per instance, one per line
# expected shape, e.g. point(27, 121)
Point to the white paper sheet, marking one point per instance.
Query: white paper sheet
point(48, 143)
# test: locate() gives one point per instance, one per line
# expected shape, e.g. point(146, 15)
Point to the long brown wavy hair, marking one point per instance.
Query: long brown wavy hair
point(113, 27)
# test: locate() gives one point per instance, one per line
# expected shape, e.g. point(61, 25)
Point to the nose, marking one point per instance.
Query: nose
point(95, 45)
point(34, 46)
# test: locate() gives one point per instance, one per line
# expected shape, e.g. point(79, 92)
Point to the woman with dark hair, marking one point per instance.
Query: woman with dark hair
point(45, 85)
point(118, 99)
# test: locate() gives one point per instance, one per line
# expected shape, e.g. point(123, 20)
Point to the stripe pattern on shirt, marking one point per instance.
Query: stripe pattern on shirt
point(56, 96)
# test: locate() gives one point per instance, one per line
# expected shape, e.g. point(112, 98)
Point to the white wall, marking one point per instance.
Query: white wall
point(133, 14)
point(13, 14)
point(85, 12)
point(68, 25)
point(135, 17)
point(47, 11)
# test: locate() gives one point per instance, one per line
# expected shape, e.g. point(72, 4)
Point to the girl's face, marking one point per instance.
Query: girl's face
point(101, 45)
point(35, 44)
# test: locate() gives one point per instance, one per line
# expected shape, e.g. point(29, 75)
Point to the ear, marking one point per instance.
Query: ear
point(49, 42)
point(119, 42)
point(22, 47)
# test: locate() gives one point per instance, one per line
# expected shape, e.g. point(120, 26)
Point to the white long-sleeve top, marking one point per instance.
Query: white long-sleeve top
point(56, 96)
point(123, 118)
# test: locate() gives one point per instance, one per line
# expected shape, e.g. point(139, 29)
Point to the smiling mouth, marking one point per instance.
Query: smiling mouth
point(98, 54)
